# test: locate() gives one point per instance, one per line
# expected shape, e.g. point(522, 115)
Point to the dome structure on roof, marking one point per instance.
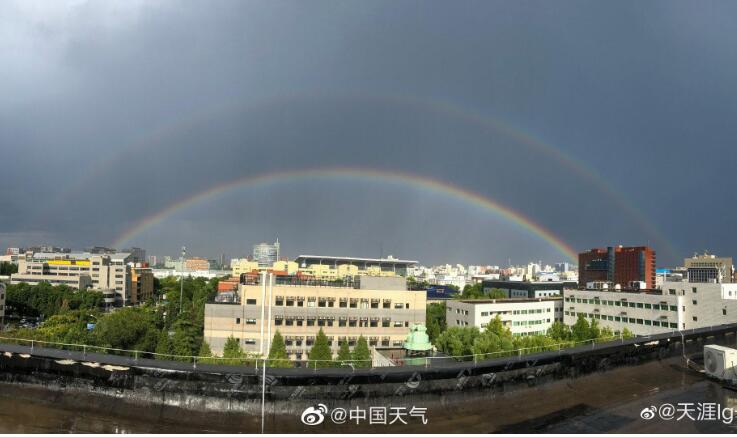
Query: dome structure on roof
point(417, 339)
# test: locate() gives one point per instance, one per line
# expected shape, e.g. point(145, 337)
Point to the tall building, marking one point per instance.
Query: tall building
point(709, 268)
point(618, 265)
point(85, 270)
point(266, 254)
point(379, 308)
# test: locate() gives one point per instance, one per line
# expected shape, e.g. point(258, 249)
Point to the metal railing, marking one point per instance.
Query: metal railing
point(258, 362)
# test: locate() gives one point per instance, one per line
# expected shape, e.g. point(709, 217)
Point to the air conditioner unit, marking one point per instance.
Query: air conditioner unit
point(720, 362)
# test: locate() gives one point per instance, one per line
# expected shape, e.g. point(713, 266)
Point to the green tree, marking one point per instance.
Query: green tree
point(163, 346)
point(559, 331)
point(7, 269)
point(344, 353)
point(435, 320)
point(581, 329)
point(232, 351)
point(320, 354)
point(361, 353)
point(626, 333)
point(278, 352)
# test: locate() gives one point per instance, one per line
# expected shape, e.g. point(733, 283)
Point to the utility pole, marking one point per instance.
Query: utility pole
point(263, 308)
point(181, 278)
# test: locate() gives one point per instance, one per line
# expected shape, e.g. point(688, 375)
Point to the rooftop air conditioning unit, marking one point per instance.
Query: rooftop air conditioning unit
point(720, 362)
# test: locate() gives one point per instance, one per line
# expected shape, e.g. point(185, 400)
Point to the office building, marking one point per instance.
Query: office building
point(142, 284)
point(676, 306)
point(709, 268)
point(266, 254)
point(380, 309)
point(617, 265)
point(523, 317)
point(528, 290)
point(87, 271)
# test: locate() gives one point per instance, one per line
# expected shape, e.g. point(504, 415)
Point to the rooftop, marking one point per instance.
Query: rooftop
point(499, 301)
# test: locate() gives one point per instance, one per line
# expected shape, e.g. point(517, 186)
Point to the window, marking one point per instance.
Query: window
point(300, 303)
point(249, 341)
point(342, 323)
point(343, 304)
point(385, 323)
point(278, 322)
point(398, 306)
point(352, 323)
point(386, 306)
point(322, 303)
point(374, 305)
point(311, 322)
point(290, 302)
point(250, 321)
point(695, 319)
point(237, 320)
point(279, 301)
point(673, 308)
point(724, 311)
point(311, 304)
point(250, 301)
point(694, 289)
point(648, 306)
point(675, 325)
point(694, 301)
point(354, 304)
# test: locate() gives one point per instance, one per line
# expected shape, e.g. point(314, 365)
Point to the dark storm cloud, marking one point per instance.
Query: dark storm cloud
point(643, 93)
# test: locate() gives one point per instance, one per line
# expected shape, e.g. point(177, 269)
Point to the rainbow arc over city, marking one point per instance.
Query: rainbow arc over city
point(353, 174)
point(437, 106)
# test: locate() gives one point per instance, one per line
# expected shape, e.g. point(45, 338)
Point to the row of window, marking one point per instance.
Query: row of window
point(351, 323)
point(330, 303)
point(618, 303)
point(529, 322)
point(632, 320)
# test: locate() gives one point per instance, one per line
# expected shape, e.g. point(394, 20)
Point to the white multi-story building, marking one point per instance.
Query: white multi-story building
point(522, 316)
point(676, 306)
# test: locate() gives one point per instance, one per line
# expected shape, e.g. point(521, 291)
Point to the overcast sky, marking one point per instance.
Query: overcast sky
point(112, 110)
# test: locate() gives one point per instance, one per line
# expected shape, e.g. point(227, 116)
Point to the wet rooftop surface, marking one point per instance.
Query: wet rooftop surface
point(610, 401)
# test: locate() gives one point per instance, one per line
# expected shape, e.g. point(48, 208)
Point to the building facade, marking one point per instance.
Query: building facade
point(677, 306)
point(86, 271)
point(709, 268)
point(618, 265)
point(192, 264)
point(523, 317)
point(382, 312)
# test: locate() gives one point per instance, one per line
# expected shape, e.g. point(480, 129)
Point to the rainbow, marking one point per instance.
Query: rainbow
point(413, 180)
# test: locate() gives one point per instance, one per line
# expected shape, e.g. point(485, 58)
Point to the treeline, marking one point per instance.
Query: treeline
point(320, 355)
point(46, 300)
point(7, 269)
point(497, 340)
point(162, 325)
point(476, 291)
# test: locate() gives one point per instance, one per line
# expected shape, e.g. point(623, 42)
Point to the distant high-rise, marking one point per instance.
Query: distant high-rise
point(266, 254)
point(619, 265)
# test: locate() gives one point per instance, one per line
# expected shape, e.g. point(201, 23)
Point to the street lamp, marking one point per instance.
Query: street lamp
point(181, 278)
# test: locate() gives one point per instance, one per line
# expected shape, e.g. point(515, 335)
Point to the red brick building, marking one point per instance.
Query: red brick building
point(618, 265)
